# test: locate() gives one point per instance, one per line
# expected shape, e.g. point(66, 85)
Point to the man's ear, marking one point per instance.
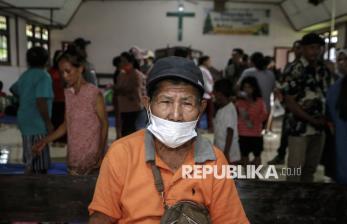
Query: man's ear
point(203, 105)
point(145, 101)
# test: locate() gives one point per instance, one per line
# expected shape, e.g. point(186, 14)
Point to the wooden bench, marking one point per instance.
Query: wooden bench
point(65, 199)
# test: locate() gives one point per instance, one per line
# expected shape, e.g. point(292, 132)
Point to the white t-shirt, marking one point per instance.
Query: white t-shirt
point(226, 117)
point(208, 82)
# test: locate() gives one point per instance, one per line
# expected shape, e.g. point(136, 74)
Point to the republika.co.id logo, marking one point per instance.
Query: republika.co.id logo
point(237, 172)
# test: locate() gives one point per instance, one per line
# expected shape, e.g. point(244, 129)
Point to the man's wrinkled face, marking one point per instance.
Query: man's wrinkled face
point(176, 102)
point(342, 63)
point(312, 52)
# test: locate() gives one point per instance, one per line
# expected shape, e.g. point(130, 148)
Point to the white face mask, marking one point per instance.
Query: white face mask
point(170, 133)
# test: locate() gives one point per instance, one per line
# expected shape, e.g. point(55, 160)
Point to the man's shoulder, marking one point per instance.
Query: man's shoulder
point(249, 71)
point(132, 139)
point(227, 109)
point(270, 75)
point(246, 73)
point(335, 87)
point(219, 154)
point(43, 76)
point(34, 73)
point(128, 144)
point(295, 66)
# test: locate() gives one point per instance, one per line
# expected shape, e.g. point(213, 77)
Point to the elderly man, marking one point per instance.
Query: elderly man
point(127, 190)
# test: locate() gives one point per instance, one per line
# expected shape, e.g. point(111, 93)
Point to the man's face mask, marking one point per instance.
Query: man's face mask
point(170, 133)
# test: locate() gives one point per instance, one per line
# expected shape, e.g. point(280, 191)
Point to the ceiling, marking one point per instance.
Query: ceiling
point(48, 12)
point(58, 13)
point(304, 16)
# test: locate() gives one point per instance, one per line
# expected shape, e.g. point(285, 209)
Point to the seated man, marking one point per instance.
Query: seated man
point(127, 188)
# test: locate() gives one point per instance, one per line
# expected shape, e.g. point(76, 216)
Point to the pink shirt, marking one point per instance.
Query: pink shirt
point(83, 128)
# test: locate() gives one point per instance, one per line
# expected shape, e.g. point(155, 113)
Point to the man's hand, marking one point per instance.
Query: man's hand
point(331, 128)
point(42, 107)
point(318, 122)
point(38, 147)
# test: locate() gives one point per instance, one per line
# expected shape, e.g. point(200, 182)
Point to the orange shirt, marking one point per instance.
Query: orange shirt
point(125, 187)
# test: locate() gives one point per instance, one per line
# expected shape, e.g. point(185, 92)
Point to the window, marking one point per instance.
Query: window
point(4, 41)
point(37, 36)
point(330, 42)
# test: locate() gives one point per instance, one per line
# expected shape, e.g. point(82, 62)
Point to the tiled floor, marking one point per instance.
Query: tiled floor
point(10, 136)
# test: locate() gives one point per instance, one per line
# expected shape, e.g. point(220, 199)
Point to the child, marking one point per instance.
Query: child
point(251, 115)
point(35, 93)
point(85, 118)
point(226, 134)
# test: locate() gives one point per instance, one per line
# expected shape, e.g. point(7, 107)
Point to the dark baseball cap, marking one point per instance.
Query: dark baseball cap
point(178, 67)
point(81, 42)
point(312, 38)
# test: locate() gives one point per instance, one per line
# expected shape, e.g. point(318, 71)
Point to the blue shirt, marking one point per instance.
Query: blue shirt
point(32, 84)
point(340, 132)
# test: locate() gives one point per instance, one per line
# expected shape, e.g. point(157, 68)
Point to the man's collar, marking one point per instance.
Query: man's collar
point(304, 61)
point(203, 150)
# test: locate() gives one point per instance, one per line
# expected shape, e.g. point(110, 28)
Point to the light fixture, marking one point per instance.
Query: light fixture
point(181, 7)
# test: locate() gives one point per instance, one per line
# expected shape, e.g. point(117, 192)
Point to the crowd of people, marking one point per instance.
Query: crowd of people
point(65, 99)
point(158, 104)
point(308, 88)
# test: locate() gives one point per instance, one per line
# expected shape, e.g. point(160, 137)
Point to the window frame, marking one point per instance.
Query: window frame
point(40, 40)
point(6, 33)
point(328, 54)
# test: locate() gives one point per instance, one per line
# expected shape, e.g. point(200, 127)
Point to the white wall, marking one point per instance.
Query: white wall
point(341, 36)
point(115, 26)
